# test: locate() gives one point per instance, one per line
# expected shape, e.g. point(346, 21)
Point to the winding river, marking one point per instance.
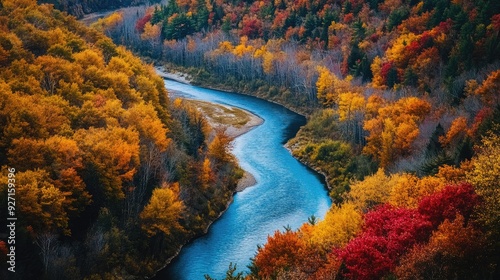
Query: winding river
point(286, 193)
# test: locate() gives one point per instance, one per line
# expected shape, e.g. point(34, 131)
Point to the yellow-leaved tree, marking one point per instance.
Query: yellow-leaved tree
point(428, 185)
point(350, 103)
point(325, 86)
point(453, 174)
point(373, 190)
point(485, 177)
point(243, 49)
point(161, 215)
point(377, 80)
point(341, 223)
point(43, 206)
point(404, 192)
point(397, 52)
point(151, 31)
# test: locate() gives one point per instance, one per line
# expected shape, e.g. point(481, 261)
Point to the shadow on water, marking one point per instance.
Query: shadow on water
point(291, 129)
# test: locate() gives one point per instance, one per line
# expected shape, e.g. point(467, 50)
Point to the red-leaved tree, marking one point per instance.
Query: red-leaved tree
point(388, 234)
point(447, 203)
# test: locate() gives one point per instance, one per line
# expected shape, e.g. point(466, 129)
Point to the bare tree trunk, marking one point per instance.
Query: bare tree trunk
point(47, 242)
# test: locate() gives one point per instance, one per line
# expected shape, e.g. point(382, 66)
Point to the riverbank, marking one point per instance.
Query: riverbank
point(179, 74)
point(248, 179)
point(234, 121)
point(287, 193)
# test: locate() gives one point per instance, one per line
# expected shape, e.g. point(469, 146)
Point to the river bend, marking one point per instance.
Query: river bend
point(286, 193)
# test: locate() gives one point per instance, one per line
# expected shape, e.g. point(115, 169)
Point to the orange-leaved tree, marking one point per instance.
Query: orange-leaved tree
point(392, 131)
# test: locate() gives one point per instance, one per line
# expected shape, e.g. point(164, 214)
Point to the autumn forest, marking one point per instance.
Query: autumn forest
point(402, 100)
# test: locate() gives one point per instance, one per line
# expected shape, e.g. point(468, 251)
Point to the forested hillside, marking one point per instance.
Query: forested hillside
point(402, 85)
point(405, 96)
point(429, 46)
point(403, 106)
point(111, 177)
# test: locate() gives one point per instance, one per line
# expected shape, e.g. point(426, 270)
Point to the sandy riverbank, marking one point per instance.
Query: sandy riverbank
point(177, 76)
point(253, 121)
point(246, 181)
point(235, 121)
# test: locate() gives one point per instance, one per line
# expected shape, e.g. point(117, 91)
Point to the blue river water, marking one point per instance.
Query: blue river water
point(286, 193)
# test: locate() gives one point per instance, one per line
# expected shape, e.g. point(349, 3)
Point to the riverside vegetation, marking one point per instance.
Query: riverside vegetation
point(403, 106)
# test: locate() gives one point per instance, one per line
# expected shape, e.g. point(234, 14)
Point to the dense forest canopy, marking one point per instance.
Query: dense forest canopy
point(463, 35)
point(111, 176)
point(404, 85)
point(403, 106)
point(405, 96)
